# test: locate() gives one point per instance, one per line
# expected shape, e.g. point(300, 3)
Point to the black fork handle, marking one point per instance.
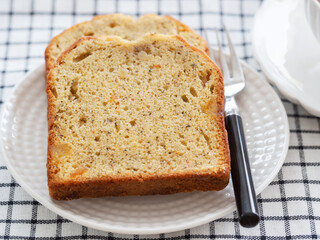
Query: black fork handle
point(241, 174)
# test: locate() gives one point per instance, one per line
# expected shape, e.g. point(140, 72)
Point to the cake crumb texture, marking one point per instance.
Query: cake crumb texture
point(134, 118)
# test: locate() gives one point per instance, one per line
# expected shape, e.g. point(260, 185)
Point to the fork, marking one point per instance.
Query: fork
point(234, 83)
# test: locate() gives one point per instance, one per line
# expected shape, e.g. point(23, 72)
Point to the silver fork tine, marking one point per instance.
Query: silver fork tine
point(211, 54)
point(224, 65)
point(235, 64)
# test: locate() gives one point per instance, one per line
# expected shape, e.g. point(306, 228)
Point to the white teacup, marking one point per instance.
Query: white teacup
point(313, 16)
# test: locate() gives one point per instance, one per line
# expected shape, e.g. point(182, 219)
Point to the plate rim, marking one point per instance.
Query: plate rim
point(129, 230)
point(274, 77)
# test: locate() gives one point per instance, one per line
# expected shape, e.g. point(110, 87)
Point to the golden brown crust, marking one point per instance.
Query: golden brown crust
point(138, 186)
point(188, 29)
point(51, 133)
point(48, 52)
point(49, 63)
point(185, 181)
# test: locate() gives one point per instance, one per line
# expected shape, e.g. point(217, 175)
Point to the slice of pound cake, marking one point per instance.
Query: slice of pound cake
point(135, 118)
point(123, 26)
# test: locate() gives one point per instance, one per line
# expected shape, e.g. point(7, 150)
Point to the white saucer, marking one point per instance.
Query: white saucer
point(23, 142)
point(288, 52)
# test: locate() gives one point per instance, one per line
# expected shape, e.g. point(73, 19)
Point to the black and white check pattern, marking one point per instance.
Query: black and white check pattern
point(289, 207)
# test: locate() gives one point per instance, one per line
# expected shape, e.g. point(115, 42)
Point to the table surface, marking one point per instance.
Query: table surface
point(289, 206)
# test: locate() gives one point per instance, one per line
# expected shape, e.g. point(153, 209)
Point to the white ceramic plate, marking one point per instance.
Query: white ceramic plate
point(24, 143)
point(288, 52)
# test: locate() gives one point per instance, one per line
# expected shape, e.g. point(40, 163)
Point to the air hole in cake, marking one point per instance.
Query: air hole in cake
point(193, 92)
point(207, 139)
point(183, 142)
point(89, 34)
point(54, 92)
point(148, 106)
point(211, 88)
point(205, 77)
point(111, 69)
point(163, 145)
point(74, 88)
point(126, 136)
point(97, 138)
point(185, 98)
point(75, 165)
point(81, 57)
point(97, 153)
point(166, 87)
point(172, 50)
point(82, 121)
point(117, 126)
point(104, 103)
point(125, 108)
point(133, 122)
point(138, 82)
point(147, 50)
point(112, 25)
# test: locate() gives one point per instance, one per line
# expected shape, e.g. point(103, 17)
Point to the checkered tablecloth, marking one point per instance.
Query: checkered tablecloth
point(289, 206)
